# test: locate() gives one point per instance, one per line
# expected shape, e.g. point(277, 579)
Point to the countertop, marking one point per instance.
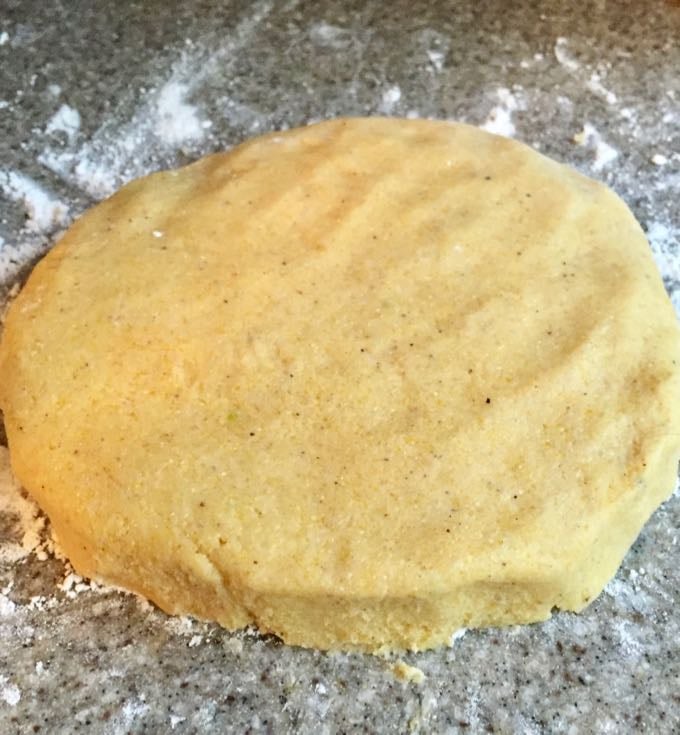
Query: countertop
point(93, 94)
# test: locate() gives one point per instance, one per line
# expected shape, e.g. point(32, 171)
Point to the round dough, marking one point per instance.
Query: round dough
point(361, 384)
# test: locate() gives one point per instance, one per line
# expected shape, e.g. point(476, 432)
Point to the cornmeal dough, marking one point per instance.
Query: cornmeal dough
point(360, 384)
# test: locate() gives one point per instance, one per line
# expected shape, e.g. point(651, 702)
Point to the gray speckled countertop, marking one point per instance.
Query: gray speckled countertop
point(92, 94)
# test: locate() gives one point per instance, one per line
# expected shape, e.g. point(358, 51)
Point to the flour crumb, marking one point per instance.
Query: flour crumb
point(175, 720)
point(39, 667)
point(604, 154)
point(658, 159)
point(177, 121)
point(4, 38)
point(9, 693)
point(595, 85)
point(157, 233)
point(73, 584)
point(195, 641)
point(407, 674)
point(499, 120)
point(436, 58)
point(390, 99)
point(325, 34)
point(7, 607)
point(564, 57)
point(457, 636)
point(65, 120)
point(132, 710)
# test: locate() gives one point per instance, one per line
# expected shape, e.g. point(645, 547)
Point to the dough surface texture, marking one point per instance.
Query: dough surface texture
point(360, 384)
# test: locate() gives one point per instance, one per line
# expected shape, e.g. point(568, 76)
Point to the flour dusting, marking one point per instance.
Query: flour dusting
point(594, 84)
point(332, 36)
point(176, 120)
point(604, 154)
point(44, 212)
point(499, 120)
point(563, 55)
point(9, 692)
point(390, 99)
point(164, 122)
point(66, 120)
point(20, 513)
point(436, 58)
point(665, 243)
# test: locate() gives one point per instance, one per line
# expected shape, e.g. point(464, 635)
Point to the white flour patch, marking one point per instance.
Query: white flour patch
point(325, 34)
point(43, 210)
point(133, 710)
point(457, 636)
point(595, 85)
point(499, 120)
point(4, 38)
point(7, 607)
point(180, 625)
point(390, 99)
point(239, 114)
point(23, 514)
point(666, 251)
point(176, 120)
point(66, 120)
point(563, 55)
point(163, 122)
point(436, 58)
point(604, 154)
point(9, 693)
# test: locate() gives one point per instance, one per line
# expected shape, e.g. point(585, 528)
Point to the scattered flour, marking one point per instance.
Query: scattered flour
point(44, 211)
point(595, 85)
point(163, 122)
point(390, 99)
point(563, 55)
point(436, 58)
point(457, 636)
point(665, 243)
point(66, 120)
point(7, 607)
point(180, 625)
point(177, 121)
point(9, 693)
point(331, 36)
point(23, 514)
point(499, 120)
point(604, 154)
point(133, 710)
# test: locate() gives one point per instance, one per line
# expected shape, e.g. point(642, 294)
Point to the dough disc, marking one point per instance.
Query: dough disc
point(361, 384)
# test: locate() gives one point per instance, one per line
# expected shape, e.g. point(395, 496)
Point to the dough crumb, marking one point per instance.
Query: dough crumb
point(408, 674)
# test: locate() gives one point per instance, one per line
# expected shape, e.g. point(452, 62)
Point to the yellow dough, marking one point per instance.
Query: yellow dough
point(360, 384)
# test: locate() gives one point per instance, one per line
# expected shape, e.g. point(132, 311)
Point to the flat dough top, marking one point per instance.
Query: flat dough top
point(366, 357)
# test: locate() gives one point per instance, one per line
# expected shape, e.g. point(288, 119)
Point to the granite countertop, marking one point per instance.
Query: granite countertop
point(93, 94)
